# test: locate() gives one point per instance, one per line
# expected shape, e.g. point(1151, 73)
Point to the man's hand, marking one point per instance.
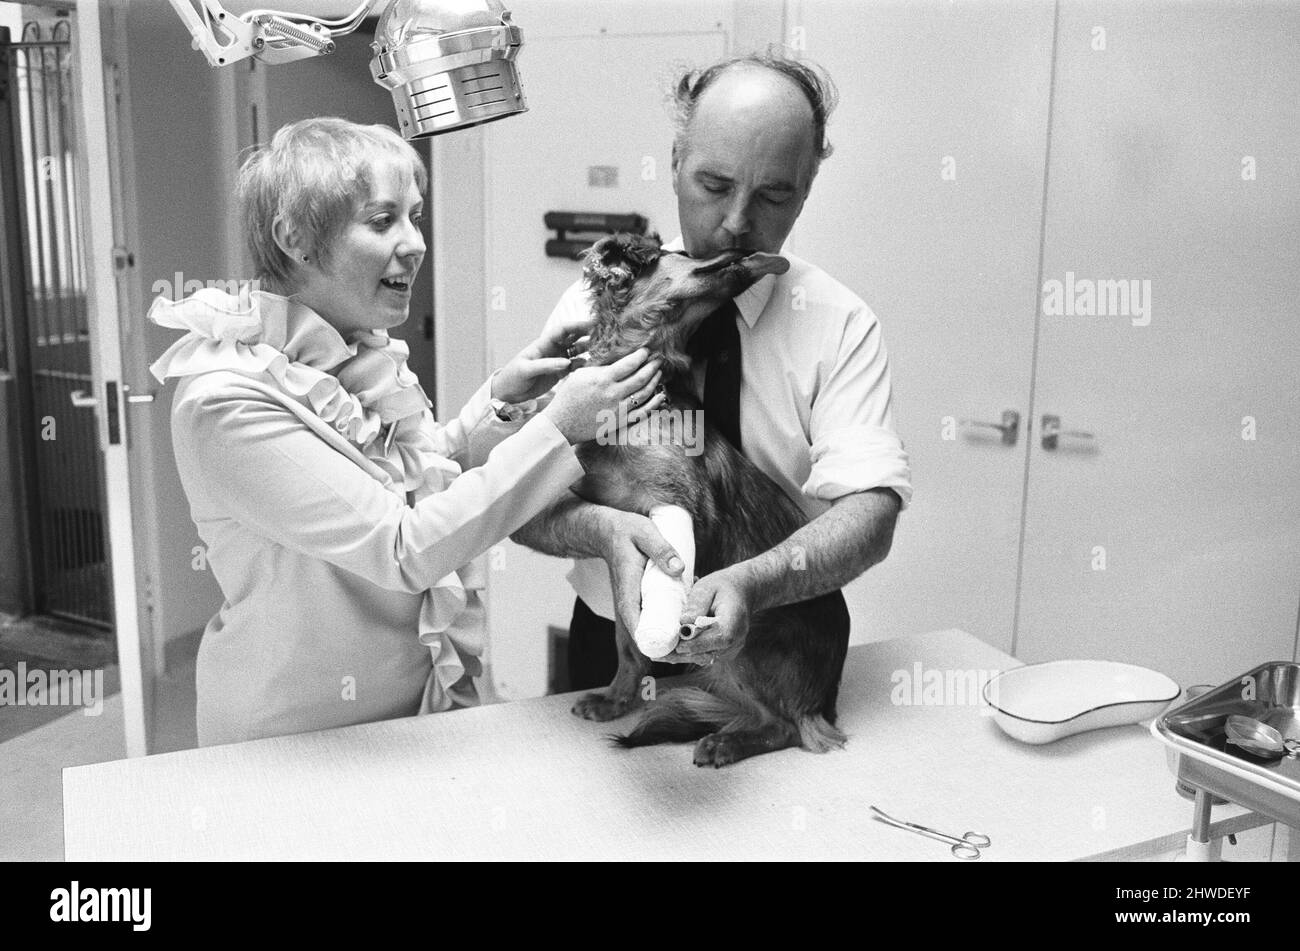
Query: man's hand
point(726, 596)
point(630, 542)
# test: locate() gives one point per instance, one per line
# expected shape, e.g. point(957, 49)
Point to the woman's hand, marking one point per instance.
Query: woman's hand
point(544, 362)
point(605, 399)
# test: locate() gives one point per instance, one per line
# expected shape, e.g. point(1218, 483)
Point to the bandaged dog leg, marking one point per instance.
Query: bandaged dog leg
point(663, 596)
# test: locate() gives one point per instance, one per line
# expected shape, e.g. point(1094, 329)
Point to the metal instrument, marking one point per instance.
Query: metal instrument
point(1258, 738)
point(967, 847)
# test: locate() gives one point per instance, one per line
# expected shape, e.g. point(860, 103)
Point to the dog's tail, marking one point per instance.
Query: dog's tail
point(689, 713)
point(681, 714)
point(817, 734)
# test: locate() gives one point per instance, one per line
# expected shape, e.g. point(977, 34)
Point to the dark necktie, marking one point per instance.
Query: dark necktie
point(717, 341)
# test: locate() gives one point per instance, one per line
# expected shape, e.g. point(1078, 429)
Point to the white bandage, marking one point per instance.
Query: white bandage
point(663, 596)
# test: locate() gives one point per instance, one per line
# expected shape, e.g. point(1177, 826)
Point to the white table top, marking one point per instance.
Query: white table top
point(528, 780)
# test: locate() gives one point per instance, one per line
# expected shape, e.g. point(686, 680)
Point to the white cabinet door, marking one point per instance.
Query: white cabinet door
point(1172, 537)
point(930, 209)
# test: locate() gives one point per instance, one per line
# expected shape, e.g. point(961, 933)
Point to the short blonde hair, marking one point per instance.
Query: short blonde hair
point(313, 175)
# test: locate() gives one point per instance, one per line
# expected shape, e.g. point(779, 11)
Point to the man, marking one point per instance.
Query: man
point(814, 393)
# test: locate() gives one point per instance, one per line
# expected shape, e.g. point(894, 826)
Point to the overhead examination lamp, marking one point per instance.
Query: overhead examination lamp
point(449, 64)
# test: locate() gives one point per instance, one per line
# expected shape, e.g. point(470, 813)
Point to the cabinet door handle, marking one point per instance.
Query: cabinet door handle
point(1009, 427)
point(83, 401)
point(1052, 432)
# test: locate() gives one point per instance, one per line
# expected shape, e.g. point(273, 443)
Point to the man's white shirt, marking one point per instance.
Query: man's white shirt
point(815, 397)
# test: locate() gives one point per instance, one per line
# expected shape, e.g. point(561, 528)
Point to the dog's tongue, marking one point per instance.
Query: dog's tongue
point(756, 263)
point(760, 263)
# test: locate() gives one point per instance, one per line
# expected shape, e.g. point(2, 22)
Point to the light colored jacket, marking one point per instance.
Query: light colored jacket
point(340, 597)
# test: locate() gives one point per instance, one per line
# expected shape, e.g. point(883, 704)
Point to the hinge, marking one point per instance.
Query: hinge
point(150, 603)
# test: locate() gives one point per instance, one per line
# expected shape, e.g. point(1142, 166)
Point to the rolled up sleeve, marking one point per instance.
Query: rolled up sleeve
point(854, 446)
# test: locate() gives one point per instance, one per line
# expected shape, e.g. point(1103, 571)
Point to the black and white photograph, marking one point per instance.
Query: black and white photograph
point(651, 431)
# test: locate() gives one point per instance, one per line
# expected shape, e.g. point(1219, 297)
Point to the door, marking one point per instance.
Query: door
point(1169, 536)
point(61, 541)
point(929, 208)
point(16, 584)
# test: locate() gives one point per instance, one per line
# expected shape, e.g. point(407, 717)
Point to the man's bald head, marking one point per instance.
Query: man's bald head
point(803, 92)
point(751, 132)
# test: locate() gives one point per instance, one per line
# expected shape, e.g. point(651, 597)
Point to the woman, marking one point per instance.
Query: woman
point(340, 520)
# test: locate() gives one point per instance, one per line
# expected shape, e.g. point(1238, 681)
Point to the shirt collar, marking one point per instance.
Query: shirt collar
point(752, 302)
point(257, 317)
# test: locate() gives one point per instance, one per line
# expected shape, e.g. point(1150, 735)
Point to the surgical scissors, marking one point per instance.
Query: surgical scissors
point(967, 847)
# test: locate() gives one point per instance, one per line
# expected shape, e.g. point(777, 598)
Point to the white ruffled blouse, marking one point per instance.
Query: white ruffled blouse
point(341, 521)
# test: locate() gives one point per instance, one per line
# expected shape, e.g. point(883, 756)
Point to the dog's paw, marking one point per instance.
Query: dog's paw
point(719, 749)
point(599, 707)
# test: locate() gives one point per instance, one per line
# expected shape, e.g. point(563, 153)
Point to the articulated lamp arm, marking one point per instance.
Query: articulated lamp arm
point(448, 64)
point(268, 35)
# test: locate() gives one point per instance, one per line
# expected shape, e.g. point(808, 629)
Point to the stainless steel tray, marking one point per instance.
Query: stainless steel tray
point(1195, 730)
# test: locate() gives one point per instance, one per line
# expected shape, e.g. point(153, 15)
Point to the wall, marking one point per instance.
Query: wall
point(950, 264)
point(596, 78)
point(941, 262)
point(1167, 539)
point(181, 128)
point(175, 155)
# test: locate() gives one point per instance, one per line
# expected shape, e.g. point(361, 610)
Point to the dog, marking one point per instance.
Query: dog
point(780, 689)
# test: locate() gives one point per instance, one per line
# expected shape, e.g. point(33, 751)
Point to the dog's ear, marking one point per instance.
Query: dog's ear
point(613, 264)
point(644, 250)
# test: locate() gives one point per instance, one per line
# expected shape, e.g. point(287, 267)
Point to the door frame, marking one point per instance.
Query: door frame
point(95, 166)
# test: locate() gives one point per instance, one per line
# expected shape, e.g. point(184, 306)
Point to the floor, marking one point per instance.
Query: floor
point(48, 644)
point(31, 763)
point(32, 760)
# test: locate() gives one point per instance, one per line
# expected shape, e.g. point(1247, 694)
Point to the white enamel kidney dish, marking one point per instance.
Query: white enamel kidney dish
point(1041, 703)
